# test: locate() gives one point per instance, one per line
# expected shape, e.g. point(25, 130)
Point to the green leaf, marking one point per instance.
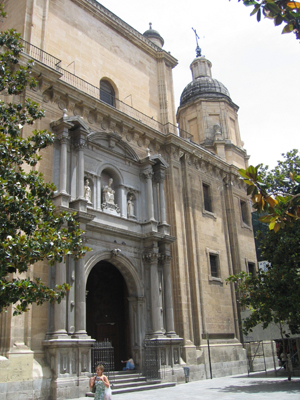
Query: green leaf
point(288, 28)
point(278, 20)
point(258, 15)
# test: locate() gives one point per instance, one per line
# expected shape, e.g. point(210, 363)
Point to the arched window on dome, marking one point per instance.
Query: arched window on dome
point(107, 93)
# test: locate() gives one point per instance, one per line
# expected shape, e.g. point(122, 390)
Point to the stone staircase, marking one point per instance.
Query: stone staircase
point(132, 381)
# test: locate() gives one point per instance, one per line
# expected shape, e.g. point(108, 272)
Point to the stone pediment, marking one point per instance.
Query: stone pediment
point(158, 159)
point(112, 141)
point(75, 121)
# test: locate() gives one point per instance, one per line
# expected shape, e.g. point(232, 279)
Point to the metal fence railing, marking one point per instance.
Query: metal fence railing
point(103, 353)
point(40, 55)
point(94, 91)
point(154, 360)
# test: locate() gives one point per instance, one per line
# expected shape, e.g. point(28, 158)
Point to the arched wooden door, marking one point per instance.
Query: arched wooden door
point(107, 310)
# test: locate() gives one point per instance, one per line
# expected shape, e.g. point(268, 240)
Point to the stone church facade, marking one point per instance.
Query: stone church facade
point(157, 193)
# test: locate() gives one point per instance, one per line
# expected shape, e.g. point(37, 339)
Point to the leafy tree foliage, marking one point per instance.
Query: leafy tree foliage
point(30, 228)
point(276, 193)
point(273, 296)
point(280, 11)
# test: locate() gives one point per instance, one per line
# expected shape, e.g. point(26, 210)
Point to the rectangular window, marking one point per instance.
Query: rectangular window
point(251, 268)
point(214, 265)
point(207, 198)
point(245, 212)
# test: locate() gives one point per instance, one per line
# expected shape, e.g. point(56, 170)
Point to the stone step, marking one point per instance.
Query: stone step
point(118, 381)
point(125, 385)
point(148, 386)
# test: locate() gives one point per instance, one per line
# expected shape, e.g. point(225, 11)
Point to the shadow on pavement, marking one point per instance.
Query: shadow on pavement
point(258, 386)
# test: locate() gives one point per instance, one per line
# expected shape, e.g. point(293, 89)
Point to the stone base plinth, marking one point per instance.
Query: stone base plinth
point(70, 361)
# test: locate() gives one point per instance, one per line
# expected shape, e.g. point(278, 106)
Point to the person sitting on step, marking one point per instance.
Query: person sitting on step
point(129, 364)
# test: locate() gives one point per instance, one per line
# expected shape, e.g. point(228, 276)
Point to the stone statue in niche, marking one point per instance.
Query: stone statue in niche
point(130, 206)
point(108, 204)
point(109, 193)
point(87, 191)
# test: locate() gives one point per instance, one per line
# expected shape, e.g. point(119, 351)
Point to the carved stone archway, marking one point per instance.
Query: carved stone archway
point(135, 311)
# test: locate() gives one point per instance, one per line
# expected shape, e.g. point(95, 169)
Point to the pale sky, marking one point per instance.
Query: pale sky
point(259, 66)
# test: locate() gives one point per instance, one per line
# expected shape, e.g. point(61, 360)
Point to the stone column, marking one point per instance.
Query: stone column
point(60, 310)
point(156, 306)
point(161, 178)
point(168, 297)
point(80, 306)
point(132, 324)
point(80, 172)
point(62, 134)
point(79, 142)
point(155, 201)
point(149, 195)
point(123, 202)
point(98, 193)
point(63, 161)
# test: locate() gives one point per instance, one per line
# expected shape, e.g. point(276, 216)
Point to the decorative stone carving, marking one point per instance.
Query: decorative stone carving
point(130, 206)
point(61, 104)
point(159, 176)
point(148, 174)
point(91, 118)
point(150, 256)
point(79, 143)
point(109, 193)
point(77, 111)
point(109, 199)
point(162, 258)
point(46, 97)
point(115, 252)
point(87, 191)
point(112, 126)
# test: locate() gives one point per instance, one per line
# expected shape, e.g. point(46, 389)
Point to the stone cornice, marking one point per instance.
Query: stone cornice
point(206, 99)
point(116, 23)
point(94, 226)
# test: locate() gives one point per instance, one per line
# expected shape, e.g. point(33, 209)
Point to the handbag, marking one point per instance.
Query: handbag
point(94, 387)
point(107, 393)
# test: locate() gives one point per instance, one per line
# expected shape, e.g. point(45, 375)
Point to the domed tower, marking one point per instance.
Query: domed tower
point(154, 36)
point(207, 112)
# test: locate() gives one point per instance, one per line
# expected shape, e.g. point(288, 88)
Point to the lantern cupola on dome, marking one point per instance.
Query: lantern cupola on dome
point(154, 36)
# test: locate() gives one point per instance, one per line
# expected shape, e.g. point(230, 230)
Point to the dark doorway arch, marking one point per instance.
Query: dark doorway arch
point(107, 309)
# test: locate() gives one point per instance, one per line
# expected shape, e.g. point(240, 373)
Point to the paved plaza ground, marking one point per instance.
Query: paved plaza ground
point(243, 387)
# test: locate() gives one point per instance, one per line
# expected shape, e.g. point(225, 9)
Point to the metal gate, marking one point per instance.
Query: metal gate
point(154, 359)
point(103, 353)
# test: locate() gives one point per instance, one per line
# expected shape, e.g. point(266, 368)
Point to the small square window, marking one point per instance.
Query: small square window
point(207, 198)
point(214, 265)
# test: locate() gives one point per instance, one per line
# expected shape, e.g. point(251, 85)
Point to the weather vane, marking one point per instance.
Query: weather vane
point(198, 49)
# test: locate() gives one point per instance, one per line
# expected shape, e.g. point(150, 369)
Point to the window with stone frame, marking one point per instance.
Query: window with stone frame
point(214, 265)
point(207, 197)
point(245, 212)
point(107, 93)
point(251, 268)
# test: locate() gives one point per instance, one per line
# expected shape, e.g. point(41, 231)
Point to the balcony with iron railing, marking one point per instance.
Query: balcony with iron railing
point(73, 80)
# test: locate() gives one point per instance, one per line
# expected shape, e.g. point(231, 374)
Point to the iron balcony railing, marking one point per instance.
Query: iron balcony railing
point(94, 91)
point(40, 55)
